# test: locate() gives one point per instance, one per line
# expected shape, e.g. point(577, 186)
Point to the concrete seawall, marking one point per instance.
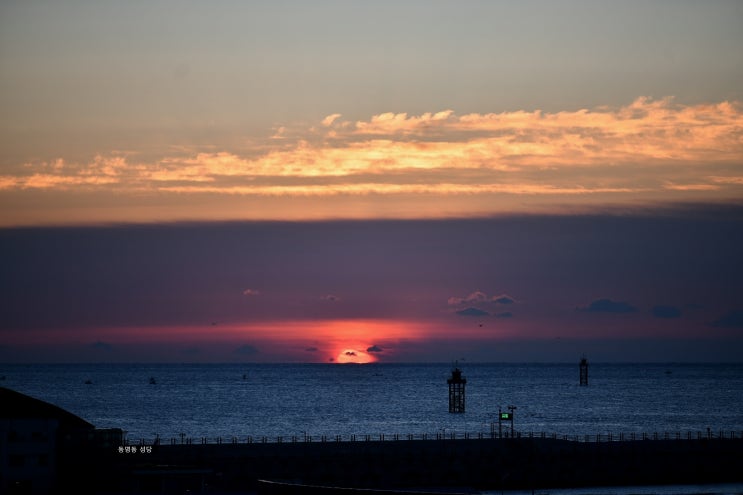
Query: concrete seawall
point(462, 465)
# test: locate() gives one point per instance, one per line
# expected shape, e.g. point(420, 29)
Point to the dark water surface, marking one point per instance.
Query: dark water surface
point(240, 400)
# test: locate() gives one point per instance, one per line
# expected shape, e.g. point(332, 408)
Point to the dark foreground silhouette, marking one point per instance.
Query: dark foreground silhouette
point(459, 465)
point(48, 450)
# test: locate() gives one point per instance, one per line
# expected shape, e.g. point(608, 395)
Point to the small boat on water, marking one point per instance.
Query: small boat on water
point(152, 380)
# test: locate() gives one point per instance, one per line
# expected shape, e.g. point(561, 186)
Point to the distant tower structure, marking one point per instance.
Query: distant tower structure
point(456, 391)
point(583, 371)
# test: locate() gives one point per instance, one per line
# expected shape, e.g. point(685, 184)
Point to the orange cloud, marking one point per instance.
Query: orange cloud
point(328, 121)
point(656, 148)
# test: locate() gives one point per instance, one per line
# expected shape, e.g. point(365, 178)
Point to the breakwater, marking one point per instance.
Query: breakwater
point(463, 465)
point(601, 437)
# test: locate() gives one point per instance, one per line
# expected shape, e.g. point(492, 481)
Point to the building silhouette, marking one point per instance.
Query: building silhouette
point(44, 448)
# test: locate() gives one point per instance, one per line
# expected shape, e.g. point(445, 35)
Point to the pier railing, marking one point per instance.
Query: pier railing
point(596, 438)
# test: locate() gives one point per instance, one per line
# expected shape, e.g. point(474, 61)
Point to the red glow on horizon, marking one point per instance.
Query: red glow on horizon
point(355, 356)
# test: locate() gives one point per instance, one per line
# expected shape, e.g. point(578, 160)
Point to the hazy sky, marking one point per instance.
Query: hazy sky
point(544, 156)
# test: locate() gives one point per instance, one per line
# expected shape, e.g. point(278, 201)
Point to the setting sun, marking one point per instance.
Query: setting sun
point(354, 356)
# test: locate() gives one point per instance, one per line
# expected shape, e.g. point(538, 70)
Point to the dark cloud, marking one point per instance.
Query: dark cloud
point(505, 314)
point(503, 300)
point(732, 319)
point(666, 311)
point(330, 298)
point(349, 353)
point(478, 303)
point(608, 306)
point(311, 349)
point(472, 312)
point(133, 275)
point(473, 298)
point(374, 348)
point(247, 350)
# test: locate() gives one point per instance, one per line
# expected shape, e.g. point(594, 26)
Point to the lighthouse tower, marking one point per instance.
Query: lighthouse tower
point(583, 371)
point(456, 391)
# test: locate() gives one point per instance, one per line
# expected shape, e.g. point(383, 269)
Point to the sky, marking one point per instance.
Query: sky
point(371, 181)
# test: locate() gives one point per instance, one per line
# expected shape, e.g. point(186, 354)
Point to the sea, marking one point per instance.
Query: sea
point(315, 402)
